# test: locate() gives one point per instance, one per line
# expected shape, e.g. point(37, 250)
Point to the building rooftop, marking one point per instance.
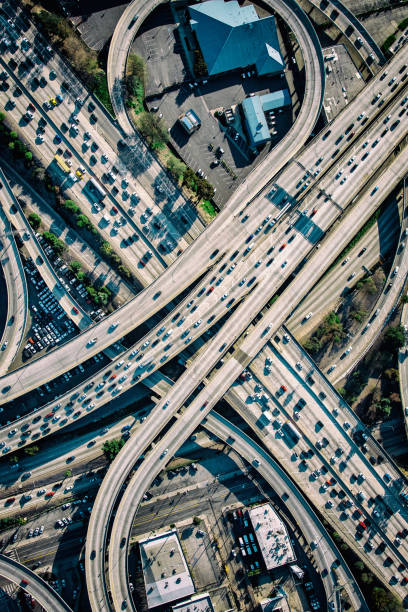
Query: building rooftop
point(233, 37)
point(165, 570)
point(198, 603)
point(272, 536)
point(255, 108)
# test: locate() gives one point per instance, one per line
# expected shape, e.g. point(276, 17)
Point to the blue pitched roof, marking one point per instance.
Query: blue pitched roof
point(232, 37)
point(254, 110)
point(255, 120)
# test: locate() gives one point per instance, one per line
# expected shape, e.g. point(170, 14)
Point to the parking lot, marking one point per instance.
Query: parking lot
point(171, 91)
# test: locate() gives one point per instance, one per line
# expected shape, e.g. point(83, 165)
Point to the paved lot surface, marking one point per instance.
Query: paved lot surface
point(97, 29)
point(200, 556)
point(167, 54)
point(343, 82)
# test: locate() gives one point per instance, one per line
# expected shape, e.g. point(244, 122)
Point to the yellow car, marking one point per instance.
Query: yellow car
point(79, 174)
point(53, 101)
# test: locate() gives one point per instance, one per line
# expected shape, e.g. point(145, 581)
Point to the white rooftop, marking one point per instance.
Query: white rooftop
point(198, 603)
point(165, 572)
point(273, 539)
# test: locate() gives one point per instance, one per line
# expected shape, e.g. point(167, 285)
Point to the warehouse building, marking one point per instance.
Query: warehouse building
point(255, 109)
point(165, 572)
point(273, 539)
point(198, 603)
point(232, 37)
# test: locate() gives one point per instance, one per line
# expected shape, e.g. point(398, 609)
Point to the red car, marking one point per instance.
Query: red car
point(363, 525)
point(115, 210)
point(50, 493)
point(11, 500)
point(314, 211)
point(24, 582)
point(75, 309)
point(49, 415)
point(283, 246)
point(283, 388)
point(113, 376)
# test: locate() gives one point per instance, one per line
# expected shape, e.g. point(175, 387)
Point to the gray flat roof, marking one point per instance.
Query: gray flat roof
point(273, 539)
point(165, 570)
point(197, 603)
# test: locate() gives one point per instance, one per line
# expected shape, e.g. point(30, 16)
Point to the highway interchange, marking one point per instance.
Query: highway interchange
point(261, 256)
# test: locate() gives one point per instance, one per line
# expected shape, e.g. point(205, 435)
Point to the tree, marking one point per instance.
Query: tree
point(392, 374)
point(394, 338)
point(384, 601)
point(28, 155)
point(404, 298)
point(75, 266)
point(359, 565)
point(384, 407)
point(176, 166)
point(105, 249)
point(68, 473)
point(71, 206)
point(196, 520)
point(13, 135)
point(13, 459)
point(112, 447)
point(2, 117)
point(34, 220)
point(31, 450)
point(367, 577)
point(137, 68)
point(153, 129)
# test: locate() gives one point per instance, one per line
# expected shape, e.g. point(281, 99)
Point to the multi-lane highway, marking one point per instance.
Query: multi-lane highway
point(354, 30)
point(49, 599)
point(181, 273)
point(285, 224)
point(17, 294)
point(216, 387)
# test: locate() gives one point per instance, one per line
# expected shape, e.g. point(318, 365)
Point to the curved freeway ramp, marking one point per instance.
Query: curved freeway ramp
point(299, 23)
point(296, 503)
point(363, 340)
point(49, 599)
point(352, 29)
point(312, 529)
point(196, 411)
point(17, 292)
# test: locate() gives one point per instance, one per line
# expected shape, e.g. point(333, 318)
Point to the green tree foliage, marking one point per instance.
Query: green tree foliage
point(13, 135)
point(196, 520)
point(394, 338)
point(384, 601)
point(75, 266)
point(58, 245)
point(68, 473)
point(31, 450)
point(34, 220)
point(137, 68)
point(71, 207)
point(112, 447)
point(2, 117)
point(10, 521)
point(153, 129)
point(28, 155)
point(175, 166)
point(383, 406)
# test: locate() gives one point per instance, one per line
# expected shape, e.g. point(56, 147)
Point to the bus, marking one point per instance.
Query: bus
point(62, 163)
point(96, 189)
point(292, 431)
